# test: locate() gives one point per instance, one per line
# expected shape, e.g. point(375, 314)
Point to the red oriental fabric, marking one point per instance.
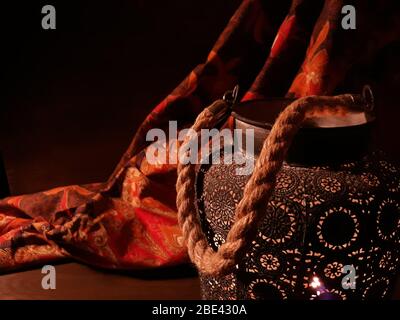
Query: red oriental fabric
point(270, 48)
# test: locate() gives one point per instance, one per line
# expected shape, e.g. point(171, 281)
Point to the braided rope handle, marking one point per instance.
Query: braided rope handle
point(250, 210)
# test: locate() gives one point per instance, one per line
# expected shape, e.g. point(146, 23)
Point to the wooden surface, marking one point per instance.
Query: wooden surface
point(75, 281)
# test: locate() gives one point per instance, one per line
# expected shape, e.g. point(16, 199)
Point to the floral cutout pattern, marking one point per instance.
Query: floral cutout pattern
point(310, 234)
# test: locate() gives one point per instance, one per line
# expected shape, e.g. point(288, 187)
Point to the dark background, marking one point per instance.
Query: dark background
point(74, 96)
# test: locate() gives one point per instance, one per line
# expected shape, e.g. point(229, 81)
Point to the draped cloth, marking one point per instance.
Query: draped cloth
point(271, 49)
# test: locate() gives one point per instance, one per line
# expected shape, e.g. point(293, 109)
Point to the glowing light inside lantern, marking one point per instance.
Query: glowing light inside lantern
point(315, 283)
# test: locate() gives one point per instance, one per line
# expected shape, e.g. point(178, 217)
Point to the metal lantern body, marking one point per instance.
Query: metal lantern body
point(334, 215)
